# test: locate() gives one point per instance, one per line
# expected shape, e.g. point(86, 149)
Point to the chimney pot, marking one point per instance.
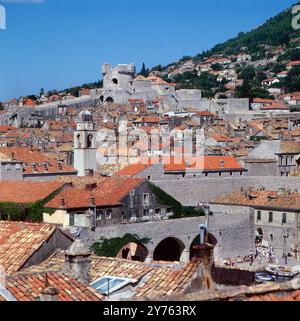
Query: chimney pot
point(92, 201)
point(62, 203)
point(49, 294)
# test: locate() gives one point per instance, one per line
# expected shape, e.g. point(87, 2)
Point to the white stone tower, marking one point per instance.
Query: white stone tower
point(85, 148)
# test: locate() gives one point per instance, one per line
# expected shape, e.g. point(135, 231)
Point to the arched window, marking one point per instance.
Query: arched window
point(90, 141)
point(78, 141)
point(115, 81)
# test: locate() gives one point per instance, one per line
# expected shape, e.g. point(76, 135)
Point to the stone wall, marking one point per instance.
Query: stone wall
point(191, 192)
point(234, 233)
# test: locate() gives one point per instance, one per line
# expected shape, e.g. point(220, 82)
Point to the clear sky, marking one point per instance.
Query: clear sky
point(56, 44)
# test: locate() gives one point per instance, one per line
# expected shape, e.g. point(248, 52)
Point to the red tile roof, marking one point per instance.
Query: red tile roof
point(246, 198)
point(24, 192)
point(110, 192)
point(32, 157)
point(167, 281)
point(205, 163)
point(29, 287)
point(19, 241)
point(132, 170)
point(5, 129)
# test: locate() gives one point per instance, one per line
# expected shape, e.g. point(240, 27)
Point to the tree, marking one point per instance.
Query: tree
point(144, 72)
point(217, 67)
point(111, 247)
point(248, 73)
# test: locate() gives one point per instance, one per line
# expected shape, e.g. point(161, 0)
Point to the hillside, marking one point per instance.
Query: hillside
point(260, 63)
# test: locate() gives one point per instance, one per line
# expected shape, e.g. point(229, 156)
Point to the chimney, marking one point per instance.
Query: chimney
point(78, 261)
point(34, 168)
point(90, 187)
point(62, 203)
point(59, 166)
point(89, 173)
point(92, 201)
point(204, 256)
point(49, 293)
point(222, 164)
point(46, 167)
point(13, 157)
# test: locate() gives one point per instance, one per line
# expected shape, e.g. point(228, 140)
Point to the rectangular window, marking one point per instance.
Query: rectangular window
point(18, 167)
point(284, 218)
point(8, 167)
point(259, 216)
point(146, 199)
point(270, 217)
point(271, 238)
point(109, 214)
point(71, 220)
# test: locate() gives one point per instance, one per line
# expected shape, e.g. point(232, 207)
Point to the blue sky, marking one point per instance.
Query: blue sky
point(56, 44)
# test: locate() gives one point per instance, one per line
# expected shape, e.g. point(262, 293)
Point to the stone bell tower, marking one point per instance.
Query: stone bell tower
point(85, 148)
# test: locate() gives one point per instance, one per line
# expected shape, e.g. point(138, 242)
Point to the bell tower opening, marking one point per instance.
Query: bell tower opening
point(85, 150)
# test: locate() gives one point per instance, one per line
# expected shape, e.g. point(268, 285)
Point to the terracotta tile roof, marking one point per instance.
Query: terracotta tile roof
point(289, 147)
point(156, 280)
point(29, 287)
point(100, 266)
point(221, 138)
point(31, 157)
point(19, 241)
point(166, 282)
point(294, 63)
point(246, 198)
point(24, 192)
point(263, 101)
point(132, 170)
point(206, 163)
point(277, 297)
point(5, 129)
point(276, 105)
point(286, 201)
point(110, 192)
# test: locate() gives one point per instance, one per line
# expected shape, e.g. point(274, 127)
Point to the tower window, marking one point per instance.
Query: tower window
point(90, 141)
point(78, 141)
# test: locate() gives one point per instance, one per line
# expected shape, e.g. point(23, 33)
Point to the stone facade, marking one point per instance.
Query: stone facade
point(234, 233)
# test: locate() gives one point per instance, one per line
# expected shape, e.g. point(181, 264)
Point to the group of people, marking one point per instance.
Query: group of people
point(258, 255)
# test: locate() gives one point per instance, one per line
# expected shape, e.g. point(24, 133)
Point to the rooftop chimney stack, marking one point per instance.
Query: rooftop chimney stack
point(13, 157)
point(78, 261)
point(59, 166)
point(49, 293)
point(62, 203)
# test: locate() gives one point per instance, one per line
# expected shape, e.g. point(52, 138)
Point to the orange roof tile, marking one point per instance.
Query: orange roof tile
point(19, 241)
point(110, 192)
point(132, 170)
point(29, 287)
point(24, 192)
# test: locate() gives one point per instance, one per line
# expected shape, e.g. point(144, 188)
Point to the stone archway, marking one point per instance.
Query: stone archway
point(170, 250)
point(133, 251)
point(109, 100)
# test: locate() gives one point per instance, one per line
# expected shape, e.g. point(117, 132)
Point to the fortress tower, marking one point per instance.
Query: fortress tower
point(118, 77)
